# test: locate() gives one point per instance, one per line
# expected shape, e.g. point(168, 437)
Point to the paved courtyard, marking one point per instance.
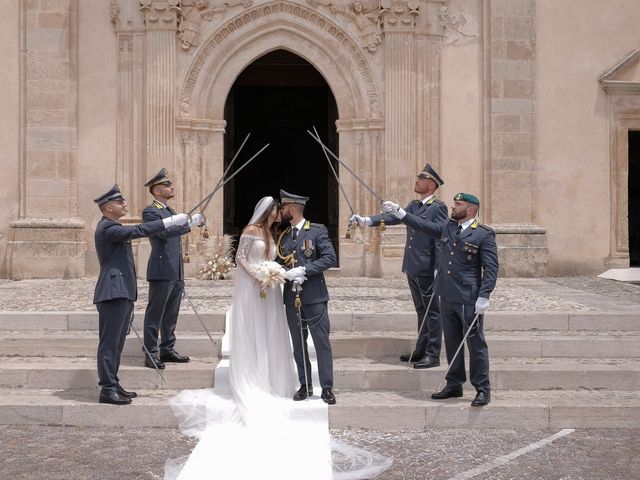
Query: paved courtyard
point(57, 453)
point(47, 452)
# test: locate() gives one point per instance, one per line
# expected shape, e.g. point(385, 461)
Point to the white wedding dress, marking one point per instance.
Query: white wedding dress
point(248, 426)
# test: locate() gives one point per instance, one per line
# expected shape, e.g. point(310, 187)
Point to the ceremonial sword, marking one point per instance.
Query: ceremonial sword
point(335, 174)
point(453, 359)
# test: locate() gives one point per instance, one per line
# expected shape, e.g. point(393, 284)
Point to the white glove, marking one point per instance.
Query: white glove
point(361, 221)
point(393, 209)
point(482, 305)
point(178, 219)
point(295, 274)
point(197, 220)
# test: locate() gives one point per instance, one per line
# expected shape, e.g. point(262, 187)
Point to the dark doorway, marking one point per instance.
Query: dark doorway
point(634, 199)
point(277, 99)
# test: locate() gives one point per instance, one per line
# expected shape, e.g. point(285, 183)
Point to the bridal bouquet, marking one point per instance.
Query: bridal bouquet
point(269, 274)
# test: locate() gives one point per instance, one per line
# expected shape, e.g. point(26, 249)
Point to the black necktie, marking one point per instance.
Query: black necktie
point(459, 230)
point(294, 235)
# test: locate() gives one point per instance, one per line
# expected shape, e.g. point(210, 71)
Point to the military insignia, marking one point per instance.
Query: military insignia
point(475, 224)
point(470, 248)
point(431, 200)
point(307, 248)
point(158, 205)
point(307, 225)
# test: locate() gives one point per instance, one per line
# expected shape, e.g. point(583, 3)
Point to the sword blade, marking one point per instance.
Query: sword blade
point(362, 182)
point(335, 174)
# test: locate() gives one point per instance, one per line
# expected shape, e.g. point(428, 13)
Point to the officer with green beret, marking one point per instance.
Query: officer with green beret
point(469, 263)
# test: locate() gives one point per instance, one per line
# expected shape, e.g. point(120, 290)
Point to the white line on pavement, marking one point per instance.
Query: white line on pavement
point(504, 459)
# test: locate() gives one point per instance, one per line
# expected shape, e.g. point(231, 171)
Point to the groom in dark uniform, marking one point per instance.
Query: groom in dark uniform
point(165, 274)
point(116, 289)
point(307, 252)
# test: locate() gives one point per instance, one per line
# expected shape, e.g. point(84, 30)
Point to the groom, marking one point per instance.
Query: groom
point(307, 252)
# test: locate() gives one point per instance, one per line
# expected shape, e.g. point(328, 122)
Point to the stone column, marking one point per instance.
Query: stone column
point(48, 237)
point(510, 158)
point(161, 25)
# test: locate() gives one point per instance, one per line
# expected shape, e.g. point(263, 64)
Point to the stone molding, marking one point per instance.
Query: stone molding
point(247, 25)
point(623, 97)
point(160, 14)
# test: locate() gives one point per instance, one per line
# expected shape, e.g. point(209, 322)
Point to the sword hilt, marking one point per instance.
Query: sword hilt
point(383, 227)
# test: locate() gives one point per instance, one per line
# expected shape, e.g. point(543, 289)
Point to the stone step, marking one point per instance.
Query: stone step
point(351, 373)
point(84, 344)
point(540, 344)
point(345, 321)
point(369, 410)
point(535, 344)
point(505, 374)
point(80, 372)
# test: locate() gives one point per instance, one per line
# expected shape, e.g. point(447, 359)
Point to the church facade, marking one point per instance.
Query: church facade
point(532, 105)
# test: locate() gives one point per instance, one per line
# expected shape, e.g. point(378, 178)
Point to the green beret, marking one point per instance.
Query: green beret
point(467, 197)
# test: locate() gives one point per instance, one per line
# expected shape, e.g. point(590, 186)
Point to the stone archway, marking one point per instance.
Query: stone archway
point(300, 30)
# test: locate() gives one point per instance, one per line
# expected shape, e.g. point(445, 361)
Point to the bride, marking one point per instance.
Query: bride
point(247, 426)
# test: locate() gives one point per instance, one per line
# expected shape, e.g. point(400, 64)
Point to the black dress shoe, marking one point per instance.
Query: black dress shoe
point(448, 392)
point(482, 398)
point(149, 364)
point(415, 357)
point(124, 392)
point(328, 397)
point(174, 357)
point(114, 398)
point(427, 362)
point(303, 392)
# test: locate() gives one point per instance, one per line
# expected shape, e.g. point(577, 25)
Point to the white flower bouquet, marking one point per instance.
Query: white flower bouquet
point(269, 274)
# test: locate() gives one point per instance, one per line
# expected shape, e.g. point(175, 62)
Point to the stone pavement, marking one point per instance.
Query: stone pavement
point(62, 453)
point(571, 294)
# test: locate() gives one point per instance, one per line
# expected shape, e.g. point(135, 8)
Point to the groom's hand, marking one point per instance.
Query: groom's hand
point(296, 274)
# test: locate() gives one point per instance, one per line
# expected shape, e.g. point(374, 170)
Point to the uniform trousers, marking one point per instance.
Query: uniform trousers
point(430, 339)
point(315, 319)
point(113, 322)
point(456, 318)
point(161, 315)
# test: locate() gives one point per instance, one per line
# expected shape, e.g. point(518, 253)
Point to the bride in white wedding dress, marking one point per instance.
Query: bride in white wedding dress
point(248, 427)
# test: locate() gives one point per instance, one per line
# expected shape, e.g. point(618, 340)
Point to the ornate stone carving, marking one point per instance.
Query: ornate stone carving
point(399, 15)
point(257, 14)
point(194, 12)
point(459, 22)
point(160, 13)
point(366, 15)
point(115, 13)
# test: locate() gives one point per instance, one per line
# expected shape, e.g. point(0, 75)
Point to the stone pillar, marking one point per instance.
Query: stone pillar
point(47, 240)
point(361, 149)
point(130, 149)
point(510, 158)
point(161, 25)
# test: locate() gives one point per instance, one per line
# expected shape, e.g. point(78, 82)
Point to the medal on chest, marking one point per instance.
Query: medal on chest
point(307, 248)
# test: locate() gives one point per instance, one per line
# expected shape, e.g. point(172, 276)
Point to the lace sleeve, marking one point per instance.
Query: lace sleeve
point(242, 254)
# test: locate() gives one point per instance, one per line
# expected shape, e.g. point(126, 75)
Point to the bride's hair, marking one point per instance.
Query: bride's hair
point(260, 221)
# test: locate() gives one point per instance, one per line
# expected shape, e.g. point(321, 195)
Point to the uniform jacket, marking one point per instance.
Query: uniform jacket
point(165, 260)
point(314, 251)
point(117, 277)
point(468, 263)
point(420, 248)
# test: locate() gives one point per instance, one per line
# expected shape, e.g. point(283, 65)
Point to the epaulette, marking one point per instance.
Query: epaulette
point(486, 227)
point(315, 225)
point(437, 200)
point(157, 204)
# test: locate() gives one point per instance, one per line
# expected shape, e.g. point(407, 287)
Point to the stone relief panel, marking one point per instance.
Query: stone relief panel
point(461, 21)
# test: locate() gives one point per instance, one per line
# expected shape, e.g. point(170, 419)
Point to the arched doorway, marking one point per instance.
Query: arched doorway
point(277, 98)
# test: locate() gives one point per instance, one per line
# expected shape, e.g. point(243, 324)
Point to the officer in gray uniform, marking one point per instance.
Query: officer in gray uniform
point(165, 274)
point(418, 264)
point(305, 248)
point(116, 289)
point(469, 262)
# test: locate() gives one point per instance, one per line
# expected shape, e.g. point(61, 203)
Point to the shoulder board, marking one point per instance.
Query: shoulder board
point(438, 201)
point(486, 227)
point(315, 225)
point(157, 204)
